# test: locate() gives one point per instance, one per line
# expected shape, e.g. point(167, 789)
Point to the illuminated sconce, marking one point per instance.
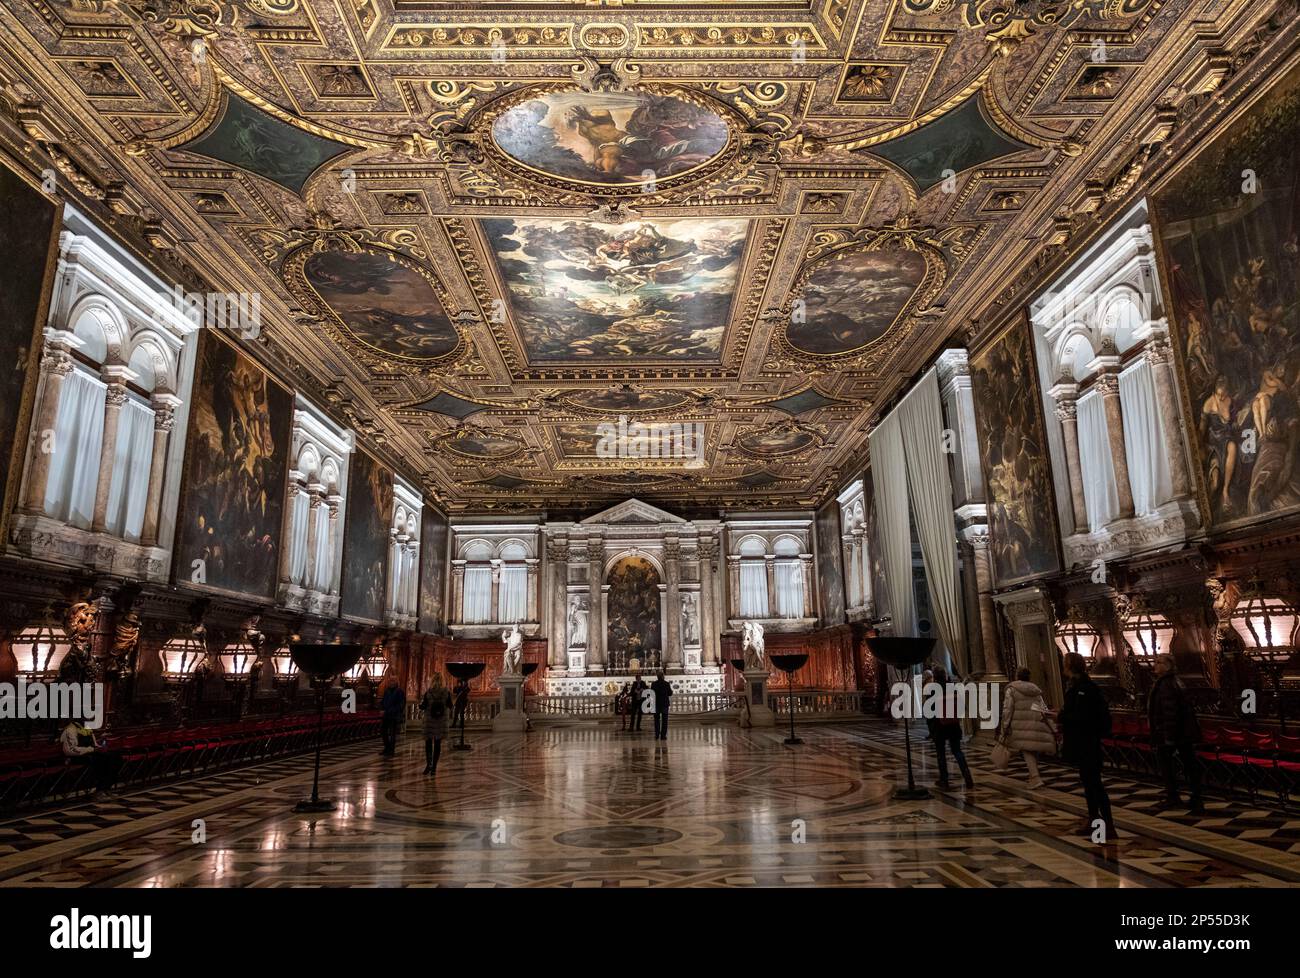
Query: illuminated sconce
point(237, 659)
point(286, 670)
point(39, 650)
point(1147, 634)
point(1266, 625)
point(182, 656)
point(1076, 635)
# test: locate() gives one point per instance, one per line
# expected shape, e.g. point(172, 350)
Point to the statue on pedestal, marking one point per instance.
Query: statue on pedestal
point(752, 645)
point(690, 620)
point(514, 654)
point(577, 622)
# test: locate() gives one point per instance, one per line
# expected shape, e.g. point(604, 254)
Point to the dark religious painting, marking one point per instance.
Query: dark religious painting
point(365, 539)
point(481, 443)
point(956, 141)
point(382, 303)
point(1233, 273)
point(807, 400)
point(243, 135)
point(611, 138)
point(626, 398)
point(585, 291)
point(875, 555)
point(236, 467)
point(852, 298)
point(830, 565)
point(1013, 453)
point(633, 607)
point(434, 534)
point(775, 440)
point(29, 232)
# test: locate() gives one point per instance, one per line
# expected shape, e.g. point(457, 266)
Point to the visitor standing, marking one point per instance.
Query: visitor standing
point(948, 733)
point(638, 697)
point(663, 693)
point(1085, 720)
point(1175, 732)
point(1025, 724)
point(393, 704)
point(435, 705)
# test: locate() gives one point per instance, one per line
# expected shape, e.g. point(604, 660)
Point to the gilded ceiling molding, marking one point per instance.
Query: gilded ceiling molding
point(480, 38)
point(194, 18)
point(788, 440)
point(742, 37)
point(1009, 22)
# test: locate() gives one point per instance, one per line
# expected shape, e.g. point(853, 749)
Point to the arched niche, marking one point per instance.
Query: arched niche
point(634, 620)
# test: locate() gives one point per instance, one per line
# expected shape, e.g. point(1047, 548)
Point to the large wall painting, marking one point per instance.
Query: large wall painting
point(434, 533)
point(1233, 273)
point(627, 139)
point(583, 291)
point(875, 554)
point(365, 539)
point(830, 565)
point(29, 232)
point(1023, 537)
point(633, 607)
point(236, 467)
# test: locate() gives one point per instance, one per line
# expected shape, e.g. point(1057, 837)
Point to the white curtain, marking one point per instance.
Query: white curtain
point(514, 592)
point(889, 477)
point(411, 589)
point(1100, 496)
point(129, 489)
point(857, 598)
point(298, 537)
point(1144, 439)
point(78, 438)
point(921, 427)
point(478, 594)
point(753, 589)
point(789, 589)
point(322, 559)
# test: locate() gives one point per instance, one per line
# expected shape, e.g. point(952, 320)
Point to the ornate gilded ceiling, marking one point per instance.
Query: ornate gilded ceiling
point(483, 230)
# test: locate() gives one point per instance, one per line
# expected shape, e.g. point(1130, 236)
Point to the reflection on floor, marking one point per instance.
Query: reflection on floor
point(713, 806)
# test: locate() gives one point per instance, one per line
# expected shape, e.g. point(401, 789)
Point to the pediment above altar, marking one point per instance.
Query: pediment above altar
point(632, 511)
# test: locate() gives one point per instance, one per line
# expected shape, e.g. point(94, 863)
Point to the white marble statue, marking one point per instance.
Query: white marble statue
point(514, 654)
point(577, 623)
point(690, 620)
point(752, 645)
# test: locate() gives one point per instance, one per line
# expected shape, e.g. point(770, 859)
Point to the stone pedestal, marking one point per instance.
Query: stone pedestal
point(760, 713)
point(510, 719)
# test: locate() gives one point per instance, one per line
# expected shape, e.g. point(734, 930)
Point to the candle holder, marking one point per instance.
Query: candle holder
point(321, 662)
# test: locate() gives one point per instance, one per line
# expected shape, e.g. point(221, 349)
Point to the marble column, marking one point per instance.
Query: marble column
point(336, 545)
point(164, 417)
point(977, 537)
point(707, 549)
point(868, 588)
point(56, 364)
point(457, 611)
point(115, 395)
point(531, 564)
point(673, 604)
point(495, 613)
point(733, 585)
point(769, 565)
point(1108, 386)
point(315, 499)
point(596, 616)
point(558, 557)
point(1066, 397)
point(297, 497)
point(1158, 354)
point(852, 560)
point(805, 569)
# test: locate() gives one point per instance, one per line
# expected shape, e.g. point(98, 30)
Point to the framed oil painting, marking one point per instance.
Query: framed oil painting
point(434, 534)
point(365, 539)
point(1024, 541)
point(633, 604)
point(29, 249)
point(1228, 226)
point(231, 522)
point(830, 565)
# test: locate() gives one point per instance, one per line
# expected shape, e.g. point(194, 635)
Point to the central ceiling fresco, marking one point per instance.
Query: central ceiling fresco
point(486, 235)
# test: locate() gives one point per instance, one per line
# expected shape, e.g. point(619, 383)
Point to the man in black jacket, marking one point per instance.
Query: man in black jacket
point(663, 691)
point(1084, 721)
point(638, 697)
point(1175, 732)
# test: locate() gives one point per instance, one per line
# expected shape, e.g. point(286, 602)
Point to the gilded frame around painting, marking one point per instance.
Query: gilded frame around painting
point(23, 393)
point(1040, 544)
point(363, 580)
point(1230, 326)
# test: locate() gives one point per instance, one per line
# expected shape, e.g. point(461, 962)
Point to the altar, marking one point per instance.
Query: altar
point(611, 684)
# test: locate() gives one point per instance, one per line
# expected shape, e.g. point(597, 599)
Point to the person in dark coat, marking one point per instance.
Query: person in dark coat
point(663, 691)
point(436, 705)
point(638, 695)
point(1084, 720)
point(1175, 732)
point(461, 701)
point(394, 706)
point(947, 735)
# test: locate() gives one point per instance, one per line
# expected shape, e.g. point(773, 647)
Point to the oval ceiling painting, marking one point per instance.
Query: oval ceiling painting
point(618, 139)
point(627, 398)
point(779, 439)
point(482, 444)
point(853, 297)
point(383, 303)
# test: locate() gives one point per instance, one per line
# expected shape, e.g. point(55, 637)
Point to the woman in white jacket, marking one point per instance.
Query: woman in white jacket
point(1025, 725)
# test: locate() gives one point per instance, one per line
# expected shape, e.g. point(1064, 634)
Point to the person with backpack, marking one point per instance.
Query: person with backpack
point(435, 705)
point(394, 706)
point(1085, 721)
point(947, 734)
point(1025, 726)
point(1175, 732)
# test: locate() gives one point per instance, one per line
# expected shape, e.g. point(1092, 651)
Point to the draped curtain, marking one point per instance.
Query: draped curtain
point(753, 589)
point(78, 438)
point(921, 426)
point(478, 594)
point(323, 559)
point(789, 589)
point(889, 479)
point(129, 489)
point(1100, 495)
point(1144, 439)
point(514, 592)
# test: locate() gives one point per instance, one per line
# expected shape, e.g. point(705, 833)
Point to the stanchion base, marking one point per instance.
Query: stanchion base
point(910, 794)
point(320, 805)
point(462, 746)
point(792, 740)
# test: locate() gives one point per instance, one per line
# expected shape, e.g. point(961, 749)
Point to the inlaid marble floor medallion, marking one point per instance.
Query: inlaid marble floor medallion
point(596, 807)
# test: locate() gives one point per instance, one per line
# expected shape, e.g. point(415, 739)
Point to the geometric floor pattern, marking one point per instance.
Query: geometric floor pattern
point(591, 806)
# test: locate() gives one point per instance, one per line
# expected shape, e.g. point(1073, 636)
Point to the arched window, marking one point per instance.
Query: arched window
point(789, 578)
point(753, 578)
point(514, 582)
point(477, 607)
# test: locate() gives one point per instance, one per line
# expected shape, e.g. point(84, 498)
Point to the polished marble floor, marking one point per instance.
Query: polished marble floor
point(596, 807)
